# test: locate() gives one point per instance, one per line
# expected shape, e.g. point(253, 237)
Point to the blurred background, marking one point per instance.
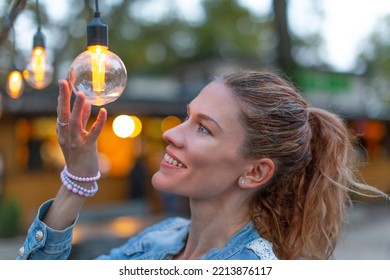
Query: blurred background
point(336, 52)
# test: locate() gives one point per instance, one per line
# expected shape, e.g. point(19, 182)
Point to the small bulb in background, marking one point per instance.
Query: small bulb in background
point(39, 71)
point(14, 85)
point(99, 73)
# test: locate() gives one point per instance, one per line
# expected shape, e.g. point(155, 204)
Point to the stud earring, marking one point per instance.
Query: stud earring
point(242, 181)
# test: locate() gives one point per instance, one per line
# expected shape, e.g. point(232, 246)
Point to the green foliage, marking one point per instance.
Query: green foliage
point(227, 32)
point(150, 43)
point(156, 43)
point(376, 53)
point(376, 59)
point(10, 218)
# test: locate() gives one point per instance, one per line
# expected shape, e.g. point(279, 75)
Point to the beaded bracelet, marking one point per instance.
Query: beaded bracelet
point(81, 179)
point(77, 189)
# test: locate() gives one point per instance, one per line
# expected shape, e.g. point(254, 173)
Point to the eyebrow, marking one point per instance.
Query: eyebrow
point(206, 117)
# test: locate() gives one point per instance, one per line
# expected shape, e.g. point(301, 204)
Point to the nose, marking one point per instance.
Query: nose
point(175, 136)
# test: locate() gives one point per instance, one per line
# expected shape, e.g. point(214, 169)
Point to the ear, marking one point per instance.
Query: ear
point(258, 173)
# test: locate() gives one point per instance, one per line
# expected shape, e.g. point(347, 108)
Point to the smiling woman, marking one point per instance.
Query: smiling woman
point(267, 176)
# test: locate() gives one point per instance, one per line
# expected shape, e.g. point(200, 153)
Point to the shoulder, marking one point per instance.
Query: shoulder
point(262, 248)
point(155, 242)
point(246, 244)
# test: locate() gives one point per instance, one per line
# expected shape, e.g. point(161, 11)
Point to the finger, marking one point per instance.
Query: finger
point(86, 114)
point(98, 125)
point(63, 105)
point(75, 119)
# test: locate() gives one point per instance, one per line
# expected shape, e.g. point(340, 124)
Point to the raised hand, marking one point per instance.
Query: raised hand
point(78, 145)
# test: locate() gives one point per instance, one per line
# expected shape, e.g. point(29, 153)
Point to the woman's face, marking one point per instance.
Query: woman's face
point(203, 157)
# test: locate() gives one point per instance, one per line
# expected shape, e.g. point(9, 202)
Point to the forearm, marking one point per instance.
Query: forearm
point(64, 209)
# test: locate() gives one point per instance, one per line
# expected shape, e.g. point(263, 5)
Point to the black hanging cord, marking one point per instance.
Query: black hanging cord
point(16, 8)
point(97, 30)
point(14, 67)
point(39, 38)
point(97, 12)
point(13, 41)
point(8, 23)
point(37, 13)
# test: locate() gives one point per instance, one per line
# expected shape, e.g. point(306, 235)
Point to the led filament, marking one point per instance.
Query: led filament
point(98, 68)
point(14, 86)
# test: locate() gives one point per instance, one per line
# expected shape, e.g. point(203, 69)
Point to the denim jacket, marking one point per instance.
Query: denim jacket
point(158, 242)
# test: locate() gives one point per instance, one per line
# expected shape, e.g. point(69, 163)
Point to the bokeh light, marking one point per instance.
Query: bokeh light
point(169, 122)
point(125, 126)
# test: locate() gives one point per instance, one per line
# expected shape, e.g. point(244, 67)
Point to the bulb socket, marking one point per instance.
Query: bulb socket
point(39, 39)
point(97, 32)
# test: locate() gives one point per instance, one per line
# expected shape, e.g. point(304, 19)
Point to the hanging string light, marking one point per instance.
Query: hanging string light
point(98, 72)
point(14, 84)
point(39, 71)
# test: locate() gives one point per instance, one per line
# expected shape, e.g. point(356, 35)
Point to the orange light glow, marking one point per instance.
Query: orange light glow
point(169, 122)
point(98, 67)
point(38, 72)
point(39, 63)
point(14, 85)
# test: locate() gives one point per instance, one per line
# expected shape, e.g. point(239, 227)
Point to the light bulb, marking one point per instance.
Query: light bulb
point(14, 86)
point(99, 73)
point(39, 71)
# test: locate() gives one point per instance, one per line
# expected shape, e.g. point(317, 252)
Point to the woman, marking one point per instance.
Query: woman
point(267, 177)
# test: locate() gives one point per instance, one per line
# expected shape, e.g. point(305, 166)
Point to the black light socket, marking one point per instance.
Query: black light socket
point(39, 39)
point(97, 32)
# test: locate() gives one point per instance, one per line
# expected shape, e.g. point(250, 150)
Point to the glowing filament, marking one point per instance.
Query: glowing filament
point(38, 60)
point(98, 67)
point(15, 84)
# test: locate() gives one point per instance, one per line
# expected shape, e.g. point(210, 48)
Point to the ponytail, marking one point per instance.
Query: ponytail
point(329, 176)
point(302, 209)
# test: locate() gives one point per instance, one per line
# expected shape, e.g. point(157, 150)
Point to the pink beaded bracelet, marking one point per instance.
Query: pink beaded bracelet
point(81, 179)
point(77, 189)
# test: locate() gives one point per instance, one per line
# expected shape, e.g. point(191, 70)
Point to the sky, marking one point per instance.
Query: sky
point(345, 25)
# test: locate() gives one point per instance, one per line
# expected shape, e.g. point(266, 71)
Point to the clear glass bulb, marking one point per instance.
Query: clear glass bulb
point(14, 86)
point(39, 71)
point(99, 73)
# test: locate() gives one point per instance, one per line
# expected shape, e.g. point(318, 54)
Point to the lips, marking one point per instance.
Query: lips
point(172, 161)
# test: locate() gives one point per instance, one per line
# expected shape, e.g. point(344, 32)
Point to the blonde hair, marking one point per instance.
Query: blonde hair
point(302, 208)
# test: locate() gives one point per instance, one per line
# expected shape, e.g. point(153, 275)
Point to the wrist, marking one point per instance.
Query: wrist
point(72, 176)
point(82, 186)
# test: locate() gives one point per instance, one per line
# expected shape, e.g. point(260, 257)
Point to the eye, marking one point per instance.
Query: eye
point(203, 129)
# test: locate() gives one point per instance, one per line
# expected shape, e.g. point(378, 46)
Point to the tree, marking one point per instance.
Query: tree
point(375, 60)
point(225, 31)
point(16, 8)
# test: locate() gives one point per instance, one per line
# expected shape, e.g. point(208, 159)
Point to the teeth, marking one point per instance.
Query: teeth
point(172, 161)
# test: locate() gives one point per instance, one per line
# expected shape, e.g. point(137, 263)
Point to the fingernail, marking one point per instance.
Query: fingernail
point(60, 84)
point(78, 96)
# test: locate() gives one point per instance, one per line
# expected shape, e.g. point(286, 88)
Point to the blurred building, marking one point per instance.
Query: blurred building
point(32, 158)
